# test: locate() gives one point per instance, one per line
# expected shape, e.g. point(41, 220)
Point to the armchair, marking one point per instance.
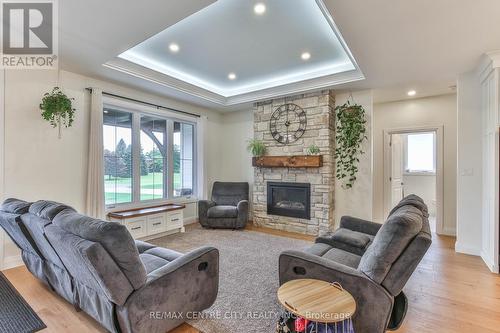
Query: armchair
point(228, 207)
point(372, 261)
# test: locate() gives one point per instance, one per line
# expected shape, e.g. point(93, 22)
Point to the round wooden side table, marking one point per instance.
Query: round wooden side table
point(319, 302)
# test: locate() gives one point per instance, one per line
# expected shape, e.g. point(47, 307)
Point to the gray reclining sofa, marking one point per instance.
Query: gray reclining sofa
point(126, 285)
point(372, 261)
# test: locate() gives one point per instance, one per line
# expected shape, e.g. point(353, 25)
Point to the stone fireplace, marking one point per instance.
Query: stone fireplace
point(297, 199)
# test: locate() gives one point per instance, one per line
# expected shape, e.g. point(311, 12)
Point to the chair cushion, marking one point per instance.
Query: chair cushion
point(115, 239)
point(229, 193)
point(318, 249)
point(222, 212)
point(15, 206)
point(343, 257)
point(347, 240)
point(412, 200)
point(391, 240)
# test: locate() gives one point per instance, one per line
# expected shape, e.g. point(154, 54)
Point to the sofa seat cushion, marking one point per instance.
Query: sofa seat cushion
point(348, 240)
point(157, 257)
point(343, 257)
point(143, 246)
point(222, 212)
point(152, 262)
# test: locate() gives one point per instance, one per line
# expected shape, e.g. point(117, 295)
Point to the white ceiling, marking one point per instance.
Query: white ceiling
point(398, 45)
point(261, 50)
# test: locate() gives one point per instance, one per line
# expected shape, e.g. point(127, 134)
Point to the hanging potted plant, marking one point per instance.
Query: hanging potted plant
point(350, 134)
point(57, 109)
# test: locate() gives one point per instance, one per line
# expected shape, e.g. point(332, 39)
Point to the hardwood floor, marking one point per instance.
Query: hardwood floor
point(448, 292)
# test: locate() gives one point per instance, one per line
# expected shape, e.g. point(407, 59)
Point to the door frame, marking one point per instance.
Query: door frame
point(387, 166)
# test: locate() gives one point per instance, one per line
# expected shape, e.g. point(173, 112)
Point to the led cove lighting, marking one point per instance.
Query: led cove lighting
point(174, 47)
point(259, 8)
point(231, 76)
point(412, 93)
point(305, 56)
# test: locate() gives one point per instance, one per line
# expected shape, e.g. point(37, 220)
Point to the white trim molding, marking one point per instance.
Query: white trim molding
point(467, 249)
point(142, 68)
point(441, 229)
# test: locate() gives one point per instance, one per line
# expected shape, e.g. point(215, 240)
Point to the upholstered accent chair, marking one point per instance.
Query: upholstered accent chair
point(100, 269)
point(228, 207)
point(372, 261)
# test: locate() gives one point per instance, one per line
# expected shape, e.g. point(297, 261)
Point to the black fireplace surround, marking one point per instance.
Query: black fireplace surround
point(289, 199)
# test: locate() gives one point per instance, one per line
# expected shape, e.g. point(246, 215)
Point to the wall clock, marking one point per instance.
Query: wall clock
point(288, 123)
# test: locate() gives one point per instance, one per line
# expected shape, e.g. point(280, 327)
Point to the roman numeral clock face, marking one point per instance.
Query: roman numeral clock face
point(288, 123)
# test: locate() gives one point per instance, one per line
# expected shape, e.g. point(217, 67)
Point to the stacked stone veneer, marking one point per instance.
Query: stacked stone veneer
point(319, 108)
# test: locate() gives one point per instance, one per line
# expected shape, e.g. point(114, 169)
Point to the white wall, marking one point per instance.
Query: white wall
point(38, 165)
point(420, 112)
point(469, 164)
point(357, 201)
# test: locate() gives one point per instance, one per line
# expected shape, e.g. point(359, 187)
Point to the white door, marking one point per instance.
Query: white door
point(397, 185)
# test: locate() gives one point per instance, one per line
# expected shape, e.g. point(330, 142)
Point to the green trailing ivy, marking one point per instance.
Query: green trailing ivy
point(57, 109)
point(350, 134)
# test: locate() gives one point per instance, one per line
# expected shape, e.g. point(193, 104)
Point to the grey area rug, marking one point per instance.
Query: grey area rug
point(16, 316)
point(248, 277)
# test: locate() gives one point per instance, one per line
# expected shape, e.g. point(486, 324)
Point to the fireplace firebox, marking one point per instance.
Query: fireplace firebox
point(289, 199)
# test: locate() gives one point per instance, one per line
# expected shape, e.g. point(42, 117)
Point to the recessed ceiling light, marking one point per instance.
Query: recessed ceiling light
point(411, 93)
point(259, 8)
point(305, 56)
point(174, 47)
point(231, 76)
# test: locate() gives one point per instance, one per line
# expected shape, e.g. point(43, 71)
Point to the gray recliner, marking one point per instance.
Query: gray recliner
point(372, 261)
point(228, 207)
point(100, 269)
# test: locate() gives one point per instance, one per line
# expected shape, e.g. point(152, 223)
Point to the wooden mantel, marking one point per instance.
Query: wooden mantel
point(297, 161)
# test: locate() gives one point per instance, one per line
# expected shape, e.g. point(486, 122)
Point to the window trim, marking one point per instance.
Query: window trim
point(137, 110)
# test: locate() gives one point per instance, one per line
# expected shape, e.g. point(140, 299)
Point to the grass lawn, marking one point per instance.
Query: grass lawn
point(152, 181)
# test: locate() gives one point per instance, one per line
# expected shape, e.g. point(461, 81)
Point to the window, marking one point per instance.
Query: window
point(146, 157)
point(420, 153)
point(154, 150)
point(183, 159)
point(117, 133)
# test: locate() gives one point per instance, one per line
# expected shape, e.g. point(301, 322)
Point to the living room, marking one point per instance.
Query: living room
point(339, 162)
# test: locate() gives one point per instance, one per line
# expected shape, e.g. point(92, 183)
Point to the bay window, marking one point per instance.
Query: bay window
point(147, 157)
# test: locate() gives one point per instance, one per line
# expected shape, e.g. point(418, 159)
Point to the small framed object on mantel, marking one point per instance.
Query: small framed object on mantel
point(297, 161)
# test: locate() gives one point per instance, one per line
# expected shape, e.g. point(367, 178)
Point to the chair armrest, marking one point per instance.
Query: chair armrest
point(373, 302)
point(242, 214)
point(203, 207)
point(360, 225)
point(185, 285)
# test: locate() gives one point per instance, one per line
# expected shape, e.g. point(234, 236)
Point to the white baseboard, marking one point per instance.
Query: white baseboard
point(11, 262)
point(467, 249)
point(489, 262)
point(447, 231)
